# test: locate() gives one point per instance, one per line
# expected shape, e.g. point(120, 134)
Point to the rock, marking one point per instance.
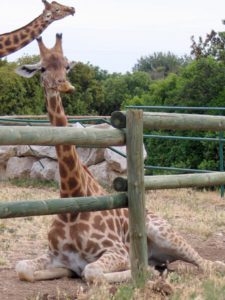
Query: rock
point(45, 168)
point(116, 161)
point(77, 125)
point(100, 173)
point(91, 156)
point(104, 174)
point(19, 167)
point(37, 151)
point(6, 152)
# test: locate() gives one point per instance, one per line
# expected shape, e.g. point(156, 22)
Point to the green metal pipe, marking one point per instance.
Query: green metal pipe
point(221, 161)
point(14, 121)
point(189, 138)
point(182, 170)
point(168, 107)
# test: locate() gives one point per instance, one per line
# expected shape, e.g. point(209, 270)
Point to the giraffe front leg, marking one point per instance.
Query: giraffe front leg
point(112, 266)
point(41, 268)
point(26, 268)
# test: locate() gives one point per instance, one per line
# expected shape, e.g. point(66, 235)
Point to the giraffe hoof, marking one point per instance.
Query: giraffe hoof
point(25, 271)
point(93, 274)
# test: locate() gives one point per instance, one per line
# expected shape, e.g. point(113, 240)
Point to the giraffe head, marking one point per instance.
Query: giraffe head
point(53, 67)
point(55, 11)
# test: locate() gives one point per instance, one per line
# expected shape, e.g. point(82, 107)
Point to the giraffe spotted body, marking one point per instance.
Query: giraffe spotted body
point(94, 245)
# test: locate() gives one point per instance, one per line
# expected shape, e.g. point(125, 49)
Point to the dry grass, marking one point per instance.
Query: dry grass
point(23, 231)
point(196, 212)
point(199, 216)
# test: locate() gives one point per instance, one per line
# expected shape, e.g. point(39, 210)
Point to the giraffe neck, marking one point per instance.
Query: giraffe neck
point(15, 40)
point(75, 179)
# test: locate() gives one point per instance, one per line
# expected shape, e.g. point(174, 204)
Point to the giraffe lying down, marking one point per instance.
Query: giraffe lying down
point(94, 245)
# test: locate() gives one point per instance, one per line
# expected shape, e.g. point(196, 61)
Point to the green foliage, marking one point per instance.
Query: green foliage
point(119, 90)
point(213, 290)
point(19, 95)
point(125, 292)
point(160, 64)
point(88, 96)
point(213, 45)
point(201, 83)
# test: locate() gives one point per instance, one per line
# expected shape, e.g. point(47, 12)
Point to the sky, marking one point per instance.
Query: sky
point(114, 34)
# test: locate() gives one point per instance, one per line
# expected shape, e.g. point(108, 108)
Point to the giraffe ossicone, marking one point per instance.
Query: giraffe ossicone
point(94, 245)
point(17, 39)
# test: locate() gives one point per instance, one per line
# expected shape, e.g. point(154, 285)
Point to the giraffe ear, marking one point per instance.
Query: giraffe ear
point(28, 71)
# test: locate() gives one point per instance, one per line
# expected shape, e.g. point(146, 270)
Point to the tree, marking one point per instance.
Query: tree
point(88, 96)
point(201, 84)
point(160, 64)
point(115, 91)
point(213, 45)
point(18, 96)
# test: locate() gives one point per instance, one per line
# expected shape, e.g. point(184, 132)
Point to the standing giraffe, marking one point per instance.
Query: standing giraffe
point(15, 40)
point(94, 245)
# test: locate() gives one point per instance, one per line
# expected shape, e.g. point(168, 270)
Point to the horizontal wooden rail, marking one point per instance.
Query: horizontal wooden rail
point(175, 181)
point(59, 206)
point(20, 135)
point(173, 121)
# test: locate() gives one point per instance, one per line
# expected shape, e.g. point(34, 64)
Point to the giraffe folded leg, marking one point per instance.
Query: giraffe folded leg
point(53, 273)
point(122, 276)
point(112, 266)
point(27, 268)
point(41, 268)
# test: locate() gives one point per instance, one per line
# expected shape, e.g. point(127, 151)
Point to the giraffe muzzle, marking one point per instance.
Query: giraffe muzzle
point(66, 87)
point(72, 11)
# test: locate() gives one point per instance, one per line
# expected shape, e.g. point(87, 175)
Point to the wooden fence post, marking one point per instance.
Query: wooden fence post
point(136, 196)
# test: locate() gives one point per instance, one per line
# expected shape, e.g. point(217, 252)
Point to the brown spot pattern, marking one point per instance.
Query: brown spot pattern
point(110, 223)
point(69, 248)
point(62, 170)
point(69, 162)
point(78, 228)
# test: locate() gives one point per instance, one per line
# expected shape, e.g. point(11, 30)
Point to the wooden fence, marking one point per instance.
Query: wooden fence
point(130, 132)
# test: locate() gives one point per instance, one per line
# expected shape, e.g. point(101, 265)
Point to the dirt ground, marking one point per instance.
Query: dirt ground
point(13, 289)
point(25, 238)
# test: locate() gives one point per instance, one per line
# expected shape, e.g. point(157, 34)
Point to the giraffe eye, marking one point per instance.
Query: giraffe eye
point(48, 15)
point(57, 10)
point(43, 69)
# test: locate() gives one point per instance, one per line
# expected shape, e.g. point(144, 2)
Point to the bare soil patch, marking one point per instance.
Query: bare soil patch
point(198, 216)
